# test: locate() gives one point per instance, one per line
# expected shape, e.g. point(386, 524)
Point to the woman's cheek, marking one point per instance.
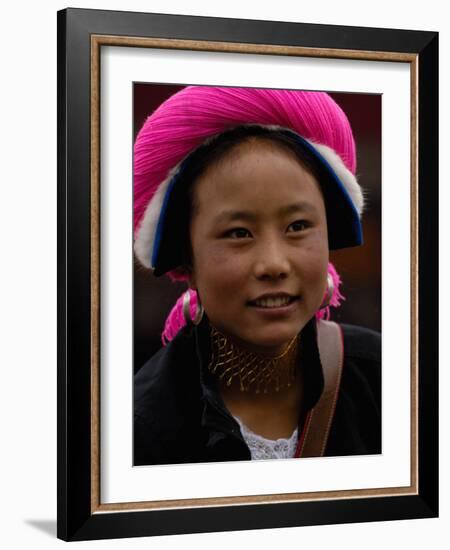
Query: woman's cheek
point(225, 256)
point(219, 267)
point(313, 272)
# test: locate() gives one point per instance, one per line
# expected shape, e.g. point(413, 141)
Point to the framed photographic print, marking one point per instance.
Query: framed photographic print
point(270, 169)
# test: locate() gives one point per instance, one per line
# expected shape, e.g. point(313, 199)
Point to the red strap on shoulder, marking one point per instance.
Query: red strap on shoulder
point(314, 435)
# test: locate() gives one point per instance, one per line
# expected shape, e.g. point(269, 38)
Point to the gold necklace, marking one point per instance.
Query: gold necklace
point(254, 372)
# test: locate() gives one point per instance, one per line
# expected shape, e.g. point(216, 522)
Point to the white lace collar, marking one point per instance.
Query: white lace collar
point(262, 448)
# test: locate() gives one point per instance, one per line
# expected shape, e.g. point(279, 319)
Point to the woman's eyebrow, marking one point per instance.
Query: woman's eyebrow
point(234, 215)
point(303, 206)
point(247, 215)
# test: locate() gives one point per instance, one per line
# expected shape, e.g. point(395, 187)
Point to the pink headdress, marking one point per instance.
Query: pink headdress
point(195, 114)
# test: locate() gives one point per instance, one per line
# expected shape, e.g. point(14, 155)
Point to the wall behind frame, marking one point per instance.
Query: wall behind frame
point(28, 290)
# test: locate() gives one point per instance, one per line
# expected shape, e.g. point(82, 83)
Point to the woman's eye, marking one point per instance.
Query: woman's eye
point(238, 233)
point(299, 225)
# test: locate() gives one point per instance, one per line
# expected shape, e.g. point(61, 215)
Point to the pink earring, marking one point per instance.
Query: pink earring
point(333, 296)
point(187, 309)
point(329, 293)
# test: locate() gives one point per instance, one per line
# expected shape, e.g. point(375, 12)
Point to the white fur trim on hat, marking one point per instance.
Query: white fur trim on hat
point(145, 235)
point(343, 173)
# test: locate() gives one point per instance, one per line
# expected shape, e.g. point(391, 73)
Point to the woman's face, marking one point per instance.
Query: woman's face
point(259, 242)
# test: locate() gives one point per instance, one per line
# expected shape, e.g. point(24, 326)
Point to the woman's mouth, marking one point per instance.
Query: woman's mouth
point(273, 301)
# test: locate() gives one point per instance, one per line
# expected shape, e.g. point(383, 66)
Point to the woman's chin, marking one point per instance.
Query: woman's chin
point(270, 344)
point(268, 338)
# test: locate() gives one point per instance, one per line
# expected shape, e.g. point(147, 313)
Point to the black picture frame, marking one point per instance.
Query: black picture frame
point(81, 34)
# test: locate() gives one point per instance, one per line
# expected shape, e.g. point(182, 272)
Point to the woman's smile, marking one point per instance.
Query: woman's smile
point(259, 244)
point(273, 301)
point(275, 308)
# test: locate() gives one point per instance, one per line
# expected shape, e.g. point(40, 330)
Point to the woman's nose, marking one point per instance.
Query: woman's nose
point(271, 261)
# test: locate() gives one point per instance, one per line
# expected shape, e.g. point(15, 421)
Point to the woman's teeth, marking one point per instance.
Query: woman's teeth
point(273, 302)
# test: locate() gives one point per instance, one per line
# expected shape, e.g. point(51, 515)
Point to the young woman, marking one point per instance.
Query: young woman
point(242, 193)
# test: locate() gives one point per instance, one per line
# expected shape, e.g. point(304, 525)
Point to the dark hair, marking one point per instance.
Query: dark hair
point(215, 149)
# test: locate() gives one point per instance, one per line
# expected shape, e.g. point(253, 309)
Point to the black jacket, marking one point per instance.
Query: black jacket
point(179, 416)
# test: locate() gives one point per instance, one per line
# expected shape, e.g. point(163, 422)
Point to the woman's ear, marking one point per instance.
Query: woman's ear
point(192, 279)
point(185, 273)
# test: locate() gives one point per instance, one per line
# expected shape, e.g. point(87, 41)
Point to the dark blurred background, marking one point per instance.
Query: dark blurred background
point(359, 268)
